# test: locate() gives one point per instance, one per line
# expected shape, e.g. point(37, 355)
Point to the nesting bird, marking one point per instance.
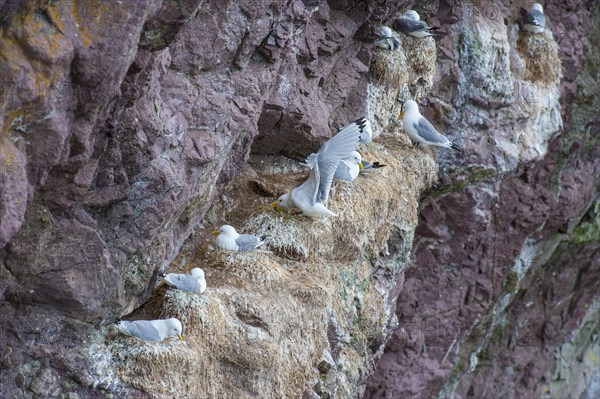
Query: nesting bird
point(410, 24)
point(387, 40)
point(349, 168)
point(151, 330)
point(420, 130)
point(193, 282)
point(310, 196)
point(231, 240)
point(534, 20)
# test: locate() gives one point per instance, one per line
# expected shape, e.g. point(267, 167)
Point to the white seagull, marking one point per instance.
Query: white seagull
point(387, 40)
point(349, 168)
point(230, 240)
point(410, 24)
point(534, 20)
point(420, 130)
point(193, 282)
point(151, 330)
point(310, 197)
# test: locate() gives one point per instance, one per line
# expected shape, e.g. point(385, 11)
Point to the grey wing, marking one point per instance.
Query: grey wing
point(370, 166)
point(366, 134)
point(408, 25)
point(186, 282)
point(308, 190)
point(326, 170)
point(428, 132)
point(142, 329)
point(534, 17)
point(247, 242)
point(339, 146)
point(345, 141)
point(342, 172)
point(367, 164)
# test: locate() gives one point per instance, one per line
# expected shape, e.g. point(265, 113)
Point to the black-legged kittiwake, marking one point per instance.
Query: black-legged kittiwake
point(151, 330)
point(231, 240)
point(370, 166)
point(420, 130)
point(310, 196)
point(193, 282)
point(349, 168)
point(386, 39)
point(534, 20)
point(410, 24)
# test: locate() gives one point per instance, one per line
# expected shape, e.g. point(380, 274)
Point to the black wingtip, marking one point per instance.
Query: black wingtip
point(377, 165)
point(456, 147)
point(160, 274)
point(264, 237)
point(361, 122)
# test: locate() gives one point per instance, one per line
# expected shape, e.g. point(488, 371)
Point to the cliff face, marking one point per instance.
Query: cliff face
point(514, 243)
point(130, 127)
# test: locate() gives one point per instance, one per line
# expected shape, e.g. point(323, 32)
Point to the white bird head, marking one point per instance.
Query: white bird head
point(537, 7)
point(385, 32)
point(197, 273)
point(410, 107)
point(412, 14)
point(283, 201)
point(174, 328)
point(227, 230)
point(357, 158)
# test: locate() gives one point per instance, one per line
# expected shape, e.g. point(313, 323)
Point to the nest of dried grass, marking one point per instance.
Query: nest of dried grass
point(542, 61)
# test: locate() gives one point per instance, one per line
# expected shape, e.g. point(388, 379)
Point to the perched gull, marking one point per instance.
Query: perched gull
point(420, 130)
point(193, 282)
point(387, 40)
point(534, 20)
point(311, 195)
point(151, 330)
point(370, 166)
point(230, 240)
point(349, 167)
point(410, 24)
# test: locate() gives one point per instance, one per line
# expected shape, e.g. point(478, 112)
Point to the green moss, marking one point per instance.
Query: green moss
point(588, 231)
point(477, 174)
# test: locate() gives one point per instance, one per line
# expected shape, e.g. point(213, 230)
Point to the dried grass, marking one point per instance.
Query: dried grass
point(261, 327)
point(541, 56)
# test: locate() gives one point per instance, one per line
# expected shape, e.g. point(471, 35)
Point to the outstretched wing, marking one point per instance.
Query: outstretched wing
point(306, 193)
point(339, 146)
point(426, 130)
point(346, 140)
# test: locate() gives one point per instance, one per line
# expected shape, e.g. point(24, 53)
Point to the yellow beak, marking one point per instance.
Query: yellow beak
point(360, 165)
point(274, 203)
point(216, 232)
point(401, 114)
point(180, 337)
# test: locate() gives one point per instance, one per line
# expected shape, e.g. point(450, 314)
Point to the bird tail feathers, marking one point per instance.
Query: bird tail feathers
point(312, 160)
point(456, 147)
